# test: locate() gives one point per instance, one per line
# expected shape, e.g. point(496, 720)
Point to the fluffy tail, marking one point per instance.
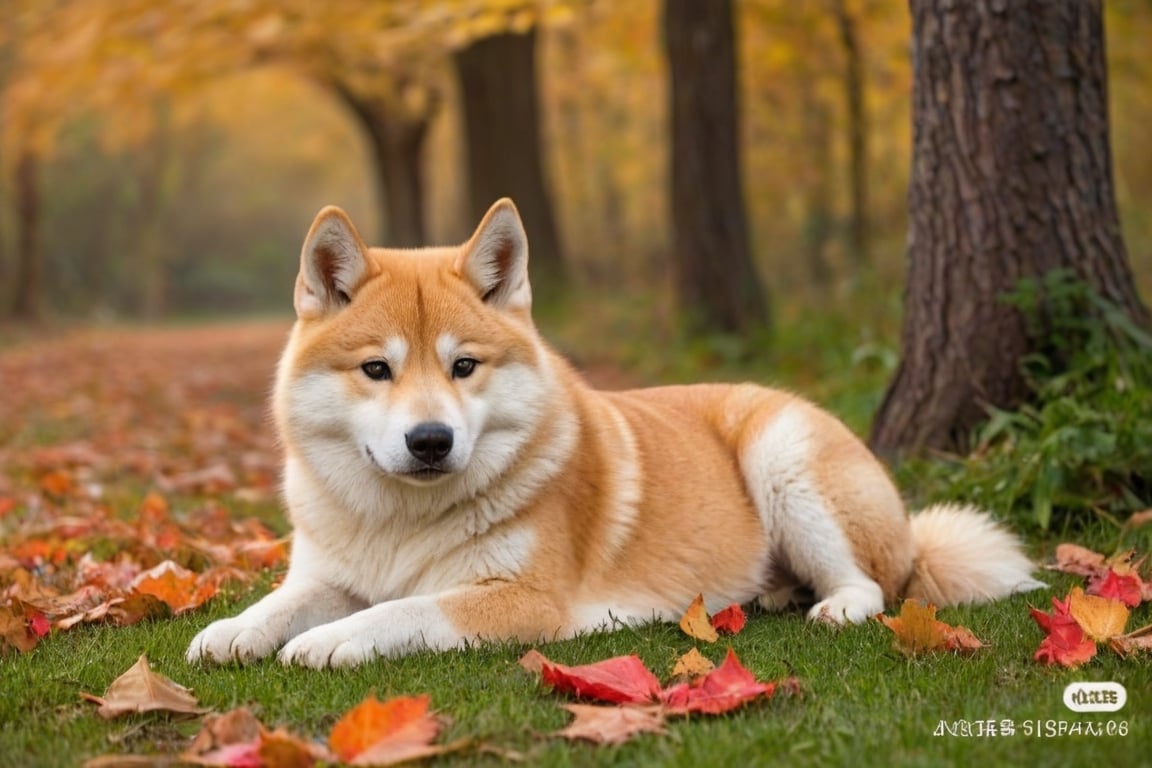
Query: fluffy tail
point(962, 556)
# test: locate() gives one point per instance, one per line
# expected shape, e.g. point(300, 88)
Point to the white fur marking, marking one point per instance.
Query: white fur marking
point(776, 468)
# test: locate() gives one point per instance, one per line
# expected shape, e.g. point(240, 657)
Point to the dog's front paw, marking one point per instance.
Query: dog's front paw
point(852, 604)
point(230, 640)
point(328, 646)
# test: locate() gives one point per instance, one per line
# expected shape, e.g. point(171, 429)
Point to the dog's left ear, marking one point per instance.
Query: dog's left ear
point(495, 259)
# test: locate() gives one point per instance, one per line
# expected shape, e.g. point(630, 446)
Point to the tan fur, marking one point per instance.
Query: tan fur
point(557, 509)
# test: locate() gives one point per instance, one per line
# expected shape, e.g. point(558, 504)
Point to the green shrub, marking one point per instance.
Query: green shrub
point(1082, 447)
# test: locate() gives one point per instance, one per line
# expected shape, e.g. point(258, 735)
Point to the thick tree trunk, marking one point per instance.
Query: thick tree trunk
point(859, 235)
point(1011, 178)
point(396, 139)
point(716, 281)
point(504, 149)
point(29, 252)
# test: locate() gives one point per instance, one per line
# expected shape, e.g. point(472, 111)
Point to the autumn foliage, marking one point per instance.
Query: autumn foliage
point(1097, 616)
point(78, 545)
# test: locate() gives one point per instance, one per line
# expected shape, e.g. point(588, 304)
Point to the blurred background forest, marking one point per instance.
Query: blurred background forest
point(174, 153)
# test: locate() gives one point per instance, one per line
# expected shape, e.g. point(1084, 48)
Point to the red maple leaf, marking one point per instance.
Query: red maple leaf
point(1127, 588)
point(730, 620)
point(727, 687)
point(620, 680)
point(1066, 643)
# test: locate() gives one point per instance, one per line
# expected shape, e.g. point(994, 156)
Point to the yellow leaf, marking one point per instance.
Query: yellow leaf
point(1101, 618)
point(696, 624)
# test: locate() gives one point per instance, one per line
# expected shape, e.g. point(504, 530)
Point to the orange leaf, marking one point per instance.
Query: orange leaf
point(1101, 618)
point(57, 483)
point(142, 690)
point(376, 731)
point(696, 624)
point(692, 664)
point(179, 588)
point(918, 631)
point(611, 725)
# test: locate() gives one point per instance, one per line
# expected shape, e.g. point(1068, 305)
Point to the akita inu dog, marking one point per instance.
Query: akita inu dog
point(450, 478)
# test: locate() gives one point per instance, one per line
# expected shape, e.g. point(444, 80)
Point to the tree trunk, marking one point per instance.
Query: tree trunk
point(396, 139)
point(504, 149)
point(716, 282)
point(859, 235)
point(1011, 178)
point(29, 250)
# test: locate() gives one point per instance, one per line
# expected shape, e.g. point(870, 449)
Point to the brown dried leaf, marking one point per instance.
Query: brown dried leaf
point(1073, 558)
point(142, 690)
point(611, 725)
point(1132, 643)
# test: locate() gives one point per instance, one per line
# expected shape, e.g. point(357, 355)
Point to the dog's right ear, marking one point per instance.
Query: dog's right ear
point(332, 265)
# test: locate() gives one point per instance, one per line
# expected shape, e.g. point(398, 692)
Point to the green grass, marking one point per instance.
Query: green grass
point(861, 702)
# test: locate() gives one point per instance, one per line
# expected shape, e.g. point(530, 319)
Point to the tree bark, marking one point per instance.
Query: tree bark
point(396, 138)
point(29, 250)
point(1011, 178)
point(859, 234)
point(503, 140)
point(716, 282)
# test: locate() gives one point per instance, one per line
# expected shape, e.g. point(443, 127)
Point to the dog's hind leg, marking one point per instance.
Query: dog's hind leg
point(800, 522)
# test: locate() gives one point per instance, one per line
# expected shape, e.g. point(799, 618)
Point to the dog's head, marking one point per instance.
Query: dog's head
point(418, 365)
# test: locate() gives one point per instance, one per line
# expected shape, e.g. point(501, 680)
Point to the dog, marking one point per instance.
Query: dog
point(450, 478)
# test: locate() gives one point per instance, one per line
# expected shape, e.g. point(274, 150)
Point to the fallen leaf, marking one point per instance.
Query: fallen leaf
point(1127, 589)
point(1073, 558)
point(620, 680)
point(918, 631)
point(533, 662)
point(1065, 643)
point(378, 732)
point(1139, 641)
point(220, 730)
point(280, 749)
point(179, 588)
point(692, 664)
point(14, 629)
point(1138, 519)
point(696, 624)
point(1101, 618)
point(611, 725)
point(730, 620)
point(728, 687)
point(142, 690)
point(237, 739)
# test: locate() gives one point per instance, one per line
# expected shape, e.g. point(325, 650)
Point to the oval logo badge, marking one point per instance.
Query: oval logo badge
point(1095, 697)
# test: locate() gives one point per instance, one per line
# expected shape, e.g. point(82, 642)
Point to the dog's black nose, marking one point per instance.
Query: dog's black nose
point(430, 442)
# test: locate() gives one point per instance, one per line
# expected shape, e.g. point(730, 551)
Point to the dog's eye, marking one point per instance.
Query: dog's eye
point(464, 367)
point(377, 370)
